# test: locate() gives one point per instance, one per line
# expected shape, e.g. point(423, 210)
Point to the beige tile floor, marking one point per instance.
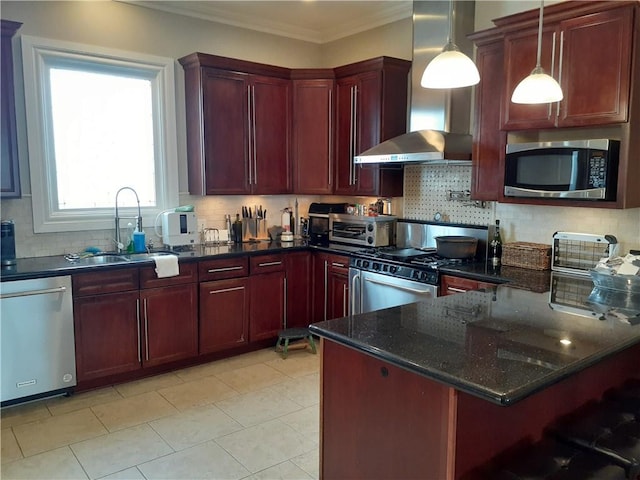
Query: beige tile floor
point(254, 416)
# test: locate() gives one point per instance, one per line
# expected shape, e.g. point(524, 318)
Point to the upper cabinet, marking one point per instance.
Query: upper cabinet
point(371, 106)
point(589, 55)
point(593, 50)
point(9, 171)
point(313, 131)
point(238, 126)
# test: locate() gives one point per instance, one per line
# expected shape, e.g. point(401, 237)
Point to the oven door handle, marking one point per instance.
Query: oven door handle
point(400, 287)
point(355, 294)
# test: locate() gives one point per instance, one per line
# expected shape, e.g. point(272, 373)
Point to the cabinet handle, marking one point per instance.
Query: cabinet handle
point(326, 286)
point(253, 117)
point(351, 134)
point(355, 132)
point(284, 292)
point(336, 264)
point(224, 269)
point(250, 159)
point(344, 300)
point(223, 290)
point(138, 325)
point(559, 65)
point(146, 332)
point(456, 290)
point(330, 136)
point(269, 264)
point(34, 292)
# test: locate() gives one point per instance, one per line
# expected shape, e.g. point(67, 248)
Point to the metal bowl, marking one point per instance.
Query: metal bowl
point(456, 246)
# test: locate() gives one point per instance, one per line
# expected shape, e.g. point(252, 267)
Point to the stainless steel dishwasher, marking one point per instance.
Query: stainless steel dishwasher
point(38, 348)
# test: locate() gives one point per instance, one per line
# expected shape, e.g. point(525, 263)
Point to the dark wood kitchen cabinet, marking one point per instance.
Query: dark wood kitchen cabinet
point(450, 285)
point(121, 328)
point(238, 126)
point(9, 167)
point(371, 106)
point(589, 55)
point(330, 286)
point(169, 315)
point(106, 322)
point(266, 296)
point(298, 268)
point(224, 304)
point(313, 131)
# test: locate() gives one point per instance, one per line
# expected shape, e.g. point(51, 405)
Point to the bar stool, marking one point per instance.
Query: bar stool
point(294, 334)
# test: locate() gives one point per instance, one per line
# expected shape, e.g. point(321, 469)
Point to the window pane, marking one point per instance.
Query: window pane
point(103, 138)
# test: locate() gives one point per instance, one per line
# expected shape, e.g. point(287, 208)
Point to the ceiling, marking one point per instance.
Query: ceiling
point(317, 21)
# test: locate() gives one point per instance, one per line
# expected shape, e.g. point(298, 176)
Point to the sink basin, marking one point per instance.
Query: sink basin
point(141, 257)
point(103, 259)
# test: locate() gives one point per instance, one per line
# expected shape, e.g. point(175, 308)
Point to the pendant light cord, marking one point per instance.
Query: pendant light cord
point(540, 35)
point(450, 35)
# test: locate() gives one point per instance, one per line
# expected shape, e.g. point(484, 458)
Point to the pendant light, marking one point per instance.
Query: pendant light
point(538, 87)
point(451, 68)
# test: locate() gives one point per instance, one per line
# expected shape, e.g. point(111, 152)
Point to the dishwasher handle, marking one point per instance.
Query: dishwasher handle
point(400, 287)
point(27, 293)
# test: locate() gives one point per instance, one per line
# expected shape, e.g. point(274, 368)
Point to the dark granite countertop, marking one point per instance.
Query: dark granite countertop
point(502, 344)
point(39, 267)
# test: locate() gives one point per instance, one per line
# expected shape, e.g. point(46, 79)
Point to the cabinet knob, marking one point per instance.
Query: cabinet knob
point(384, 372)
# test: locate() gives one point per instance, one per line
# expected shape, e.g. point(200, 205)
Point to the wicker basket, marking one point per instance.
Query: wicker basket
point(534, 256)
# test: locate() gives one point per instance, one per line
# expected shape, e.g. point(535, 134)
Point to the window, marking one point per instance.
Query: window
point(98, 120)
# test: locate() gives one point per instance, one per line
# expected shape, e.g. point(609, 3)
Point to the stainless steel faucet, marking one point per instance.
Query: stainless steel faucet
point(138, 219)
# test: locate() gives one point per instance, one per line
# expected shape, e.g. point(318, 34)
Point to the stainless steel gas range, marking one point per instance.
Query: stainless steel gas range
point(408, 272)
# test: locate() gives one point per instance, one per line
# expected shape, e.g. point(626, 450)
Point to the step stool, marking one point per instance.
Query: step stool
point(294, 334)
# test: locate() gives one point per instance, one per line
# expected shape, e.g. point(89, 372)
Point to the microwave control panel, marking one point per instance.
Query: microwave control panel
point(597, 170)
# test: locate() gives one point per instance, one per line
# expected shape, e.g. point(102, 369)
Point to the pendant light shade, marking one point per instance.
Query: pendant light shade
point(538, 87)
point(451, 68)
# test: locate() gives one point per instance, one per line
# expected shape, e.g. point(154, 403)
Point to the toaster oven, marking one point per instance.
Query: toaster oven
point(379, 231)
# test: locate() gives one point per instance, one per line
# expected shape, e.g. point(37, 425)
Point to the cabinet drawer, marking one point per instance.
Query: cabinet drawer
point(338, 264)
point(451, 285)
point(223, 268)
point(149, 279)
point(266, 264)
point(94, 283)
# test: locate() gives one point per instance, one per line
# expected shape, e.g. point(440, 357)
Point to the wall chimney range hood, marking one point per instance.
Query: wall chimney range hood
point(440, 119)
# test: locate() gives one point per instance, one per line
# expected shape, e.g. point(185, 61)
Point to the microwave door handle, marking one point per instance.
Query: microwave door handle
point(575, 165)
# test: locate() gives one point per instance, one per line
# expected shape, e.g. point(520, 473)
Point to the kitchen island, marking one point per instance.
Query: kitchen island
point(435, 389)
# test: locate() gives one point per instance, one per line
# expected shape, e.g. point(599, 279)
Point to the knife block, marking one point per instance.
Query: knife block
point(254, 229)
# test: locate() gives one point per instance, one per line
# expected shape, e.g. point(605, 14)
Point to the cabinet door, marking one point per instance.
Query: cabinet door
point(520, 50)
point(319, 287)
point(338, 296)
point(266, 305)
point(9, 168)
point(345, 136)
point(107, 334)
point(169, 323)
point(596, 68)
point(298, 274)
point(271, 135)
point(224, 314)
point(313, 136)
point(226, 133)
point(368, 127)
point(488, 141)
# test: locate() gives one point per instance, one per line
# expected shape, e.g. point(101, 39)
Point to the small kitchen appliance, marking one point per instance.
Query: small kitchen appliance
point(577, 253)
point(318, 226)
point(584, 169)
point(362, 230)
point(8, 243)
point(179, 229)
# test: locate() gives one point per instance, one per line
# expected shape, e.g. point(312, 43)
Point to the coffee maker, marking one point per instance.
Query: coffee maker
point(7, 243)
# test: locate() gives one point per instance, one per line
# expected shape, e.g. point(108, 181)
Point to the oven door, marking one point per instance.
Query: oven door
point(375, 291)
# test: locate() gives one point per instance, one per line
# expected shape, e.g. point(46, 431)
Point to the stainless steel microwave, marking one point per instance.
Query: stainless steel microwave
point(579, 169)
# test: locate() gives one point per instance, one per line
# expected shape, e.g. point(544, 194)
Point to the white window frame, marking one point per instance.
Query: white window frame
point(37, 54)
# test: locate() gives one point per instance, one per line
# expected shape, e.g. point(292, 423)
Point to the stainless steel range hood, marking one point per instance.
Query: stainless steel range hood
point(440, 119)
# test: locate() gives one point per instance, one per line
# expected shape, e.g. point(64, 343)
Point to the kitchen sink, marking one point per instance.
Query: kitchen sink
point(100, 259)
point(141, 257)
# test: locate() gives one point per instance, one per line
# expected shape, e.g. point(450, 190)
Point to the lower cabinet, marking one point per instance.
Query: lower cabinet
point(298, 270)
point(121, 328)
point(266, 296)
point(450, 285)
point(330, 286)
point(224, 314)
